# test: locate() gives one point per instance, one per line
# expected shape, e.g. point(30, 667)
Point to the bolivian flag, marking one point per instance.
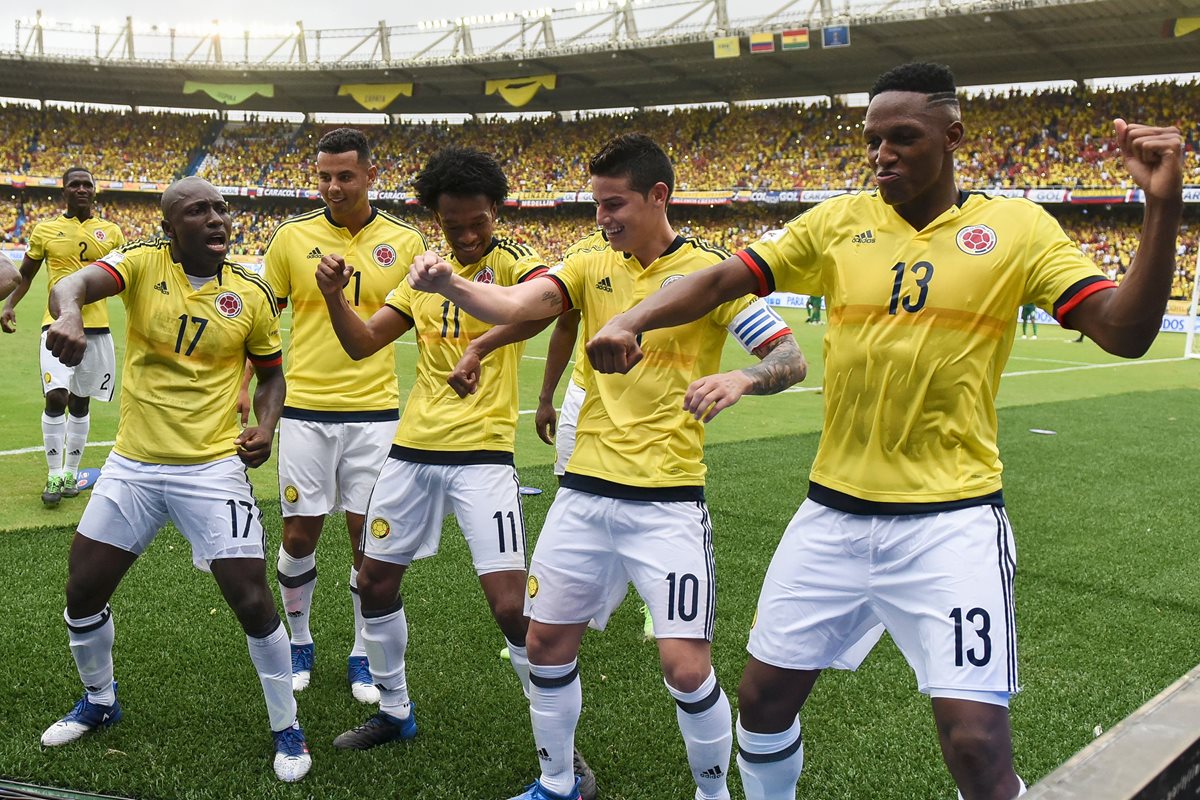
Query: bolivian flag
point(796, 39)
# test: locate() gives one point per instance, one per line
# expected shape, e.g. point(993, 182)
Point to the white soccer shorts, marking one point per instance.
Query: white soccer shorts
point(211, 504)
point(591, 547)
point(330, 466)
point(95, 376)
point(410, 501)
point(942, 585)
point(564, 432)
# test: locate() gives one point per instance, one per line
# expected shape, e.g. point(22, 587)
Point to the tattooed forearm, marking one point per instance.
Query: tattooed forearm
point(782, 365)
point(551, 298)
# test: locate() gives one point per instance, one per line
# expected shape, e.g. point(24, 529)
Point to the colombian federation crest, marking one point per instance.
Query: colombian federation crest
point(975, 240)
point(99, 234)
point(532, 586)
point(380, 528)
point(291, 493)
point(228, 304)
point(485, 275)
point(384, 255)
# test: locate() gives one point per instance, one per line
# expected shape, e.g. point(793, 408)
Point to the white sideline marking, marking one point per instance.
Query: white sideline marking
point(794, 389)
point(1050, 360)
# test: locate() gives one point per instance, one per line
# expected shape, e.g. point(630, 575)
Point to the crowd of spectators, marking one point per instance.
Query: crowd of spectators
point(1039, 139)
point(1107, 234)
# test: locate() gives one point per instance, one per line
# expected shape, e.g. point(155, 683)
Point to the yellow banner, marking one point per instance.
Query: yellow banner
point(1182, 26)
point(375, 96)
point(229, 93)
point(519, 91)
point(727, 47)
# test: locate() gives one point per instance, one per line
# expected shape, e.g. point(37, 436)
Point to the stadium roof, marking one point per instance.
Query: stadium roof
point(1000, 41)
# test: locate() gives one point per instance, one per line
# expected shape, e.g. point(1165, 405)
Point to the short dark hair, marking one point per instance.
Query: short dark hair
point(345, 140)
point(637, 157)
point(922, 77)
point(84, 170)
point(461, 172)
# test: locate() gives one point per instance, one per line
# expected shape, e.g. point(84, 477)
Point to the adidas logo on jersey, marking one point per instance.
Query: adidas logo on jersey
point(314, 253)
point(712, 773)
point(161, 286)
point(866, 237)
point(544, 754)
point(605, 284)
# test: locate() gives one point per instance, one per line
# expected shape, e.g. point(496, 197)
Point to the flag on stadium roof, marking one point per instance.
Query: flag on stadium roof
point(795, 39)
point(727, 47)
point(762, 43)
point(1181, 26)
point(375, 96)
point(835, 36)
point(518, 92)
point(231, 94)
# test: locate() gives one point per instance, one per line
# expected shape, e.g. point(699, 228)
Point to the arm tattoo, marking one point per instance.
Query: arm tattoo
point(782, 365)
point(551, 298)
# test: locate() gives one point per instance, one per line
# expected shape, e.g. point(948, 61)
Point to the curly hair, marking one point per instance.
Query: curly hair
point(461, 172)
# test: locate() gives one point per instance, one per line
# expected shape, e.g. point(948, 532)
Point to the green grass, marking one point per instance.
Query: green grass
point(1107, 612)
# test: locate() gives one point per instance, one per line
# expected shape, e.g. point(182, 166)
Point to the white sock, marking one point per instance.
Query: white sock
point(770, 763)
point(360, 647)
point(555, 702)
point(297, 580)
point(272, 659)
point(77, 433)
point(54, 432)
point(385, 636)
point(706, 722)
point(91, 644)
point(1020, 791)
point(519, 658)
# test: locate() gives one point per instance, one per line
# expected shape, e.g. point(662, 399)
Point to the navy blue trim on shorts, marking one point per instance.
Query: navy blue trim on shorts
point(778, 755)
point(1008, 574)
point(87, 331)
point(701, 705)
point(554, 683)
point(308, 415)
point(453, 458)
point(621, 491)
point(849, 504)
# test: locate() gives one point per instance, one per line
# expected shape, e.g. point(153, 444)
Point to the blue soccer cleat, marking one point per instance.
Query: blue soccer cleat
point(362, 686)
point(535, 791)
point(292, 759)
point(302, 663)
point(379, 729)
point(84, 718)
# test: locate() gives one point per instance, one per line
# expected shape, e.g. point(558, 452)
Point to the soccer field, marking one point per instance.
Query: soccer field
point(1107, 609)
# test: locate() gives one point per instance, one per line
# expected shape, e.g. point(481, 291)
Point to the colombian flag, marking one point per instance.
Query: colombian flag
point(762, 43)
point(796, 39)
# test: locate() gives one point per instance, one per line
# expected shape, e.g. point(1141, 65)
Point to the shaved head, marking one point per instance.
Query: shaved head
point(184, 188)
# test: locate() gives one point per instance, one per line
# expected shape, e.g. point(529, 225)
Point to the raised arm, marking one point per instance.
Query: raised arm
point(498, 305)
point(359, 339)
point(1125, 320)
point(464, 378)
point(24, 279)
point(254, 443)
point(10, 278)
point(615, 347)
point(65, 337)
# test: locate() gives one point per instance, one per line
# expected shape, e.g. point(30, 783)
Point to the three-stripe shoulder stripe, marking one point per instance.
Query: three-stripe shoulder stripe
point(156, 244)
point(255, 280)
point(700, 244)
point(517, 251)
point(298, 218)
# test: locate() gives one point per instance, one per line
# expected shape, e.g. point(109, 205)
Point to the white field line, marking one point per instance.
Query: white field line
point(1050, 360)
point(794, 389)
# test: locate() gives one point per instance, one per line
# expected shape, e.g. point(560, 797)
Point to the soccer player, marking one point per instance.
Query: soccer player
point(66, 243)
point(904, 523)
point(10, 277)
point(448, 455)
point(631, 504)
point(1028, 317)
point(340, 414)
point(193, 318)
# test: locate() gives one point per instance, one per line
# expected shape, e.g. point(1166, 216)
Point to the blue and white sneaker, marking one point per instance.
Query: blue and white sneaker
point(535, 791)
point(379, 729)
point(292, 760)
point(84, 718)
point(302, 663)
point(362, 686)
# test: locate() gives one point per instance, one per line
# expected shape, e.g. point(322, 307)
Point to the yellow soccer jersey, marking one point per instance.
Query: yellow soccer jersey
point(443, 427)
point(921, 324)
point(323, 382)
point(66, 245)
point(633, 439)
point(184, 353)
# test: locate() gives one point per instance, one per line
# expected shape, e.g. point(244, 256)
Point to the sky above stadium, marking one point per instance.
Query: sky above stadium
point(362, 13)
